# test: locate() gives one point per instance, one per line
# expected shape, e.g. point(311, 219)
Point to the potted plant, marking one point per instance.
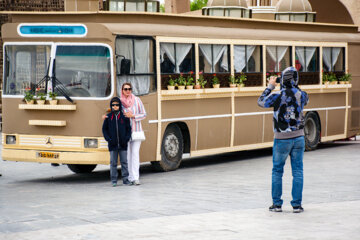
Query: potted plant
point(29, 97)
point(40, 98)
point(345, 79)
point(197, 84)
point(181, 82)
point(241, 79)
point(201, 81)
point(215, 81)
point(332, 79)
point(52, 96)
point(232, 81)
point(325, 79)
point(190, 81)
point(171, 84)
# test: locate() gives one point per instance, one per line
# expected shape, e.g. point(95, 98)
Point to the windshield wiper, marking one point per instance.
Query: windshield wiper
point(60, 86)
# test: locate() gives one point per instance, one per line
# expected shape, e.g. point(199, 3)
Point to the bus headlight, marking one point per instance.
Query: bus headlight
point(90, 143)
point(10, 139)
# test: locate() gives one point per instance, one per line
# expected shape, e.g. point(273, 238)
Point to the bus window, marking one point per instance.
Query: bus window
point(25, 66)
point(307, 63)
point(84, 70)
point(247, 59)
point(333, 59)
point(214, 58)
point(140, 52)
point(278, 58)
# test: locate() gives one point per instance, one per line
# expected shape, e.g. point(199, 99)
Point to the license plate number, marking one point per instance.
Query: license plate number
point(47, 155)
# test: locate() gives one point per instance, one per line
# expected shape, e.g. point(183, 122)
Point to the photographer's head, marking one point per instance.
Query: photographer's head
point(289, 77)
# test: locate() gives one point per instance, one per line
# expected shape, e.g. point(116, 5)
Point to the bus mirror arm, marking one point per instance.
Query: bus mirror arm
point(122, 65)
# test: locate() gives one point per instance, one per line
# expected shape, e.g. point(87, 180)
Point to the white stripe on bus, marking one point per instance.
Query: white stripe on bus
point(239, 114)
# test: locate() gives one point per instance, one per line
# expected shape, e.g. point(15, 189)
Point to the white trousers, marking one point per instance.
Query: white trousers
point(133, 160)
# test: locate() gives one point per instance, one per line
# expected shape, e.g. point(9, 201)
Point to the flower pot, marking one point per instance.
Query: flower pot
point(333, 83)
point(181, 87)
point(233, 85)
point(29, 101)
point(40, 102)
point(343, 82)
point(170, 87)
point(326, 83)
point(197, 86)
point(190, 87)
point(53, 102)
point(241, 85)
point(216, 85)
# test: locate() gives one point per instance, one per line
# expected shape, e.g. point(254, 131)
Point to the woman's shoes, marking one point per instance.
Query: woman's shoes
point(136, 182)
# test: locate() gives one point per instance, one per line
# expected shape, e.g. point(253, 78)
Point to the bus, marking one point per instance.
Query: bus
point(85, 57)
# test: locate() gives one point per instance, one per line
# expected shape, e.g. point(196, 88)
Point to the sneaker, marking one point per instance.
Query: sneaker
point(275, 208)
point(136, 182)
point(298, 209)
point(114, 184)
point(127, 183)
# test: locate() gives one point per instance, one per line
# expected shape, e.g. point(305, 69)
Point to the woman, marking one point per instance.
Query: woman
point(134, 109)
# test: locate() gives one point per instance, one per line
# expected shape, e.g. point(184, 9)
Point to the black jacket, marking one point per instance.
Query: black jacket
point(116, 129)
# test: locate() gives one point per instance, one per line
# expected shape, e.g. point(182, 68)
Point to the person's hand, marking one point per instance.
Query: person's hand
point(104, 117)
point(129, 114)
point(272, 81)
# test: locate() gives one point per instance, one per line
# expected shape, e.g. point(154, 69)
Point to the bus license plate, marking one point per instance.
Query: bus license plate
point(47, 155)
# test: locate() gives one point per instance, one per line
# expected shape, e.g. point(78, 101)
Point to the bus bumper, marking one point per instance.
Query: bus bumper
point(58, 157)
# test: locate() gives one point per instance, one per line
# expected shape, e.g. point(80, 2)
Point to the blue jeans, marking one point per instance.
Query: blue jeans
point(113, 166)
point(282, 148)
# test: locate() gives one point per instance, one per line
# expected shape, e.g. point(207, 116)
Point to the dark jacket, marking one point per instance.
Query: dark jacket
point(288, 105)
point(116, 129)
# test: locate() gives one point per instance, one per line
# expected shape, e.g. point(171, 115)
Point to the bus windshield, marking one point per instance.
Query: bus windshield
point(25, 66)
point(84, 70)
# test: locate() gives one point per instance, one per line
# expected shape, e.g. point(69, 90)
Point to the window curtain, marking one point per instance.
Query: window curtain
point(278, 51)
point(126, 48)
point(182, 50)
point(219, 51)
point(239, 56)
point(301, 52)
point(327, 52)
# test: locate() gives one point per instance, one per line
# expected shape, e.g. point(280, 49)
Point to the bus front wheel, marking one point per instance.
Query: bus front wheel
point(81, 168)
point(171, 149)
point(312, 131)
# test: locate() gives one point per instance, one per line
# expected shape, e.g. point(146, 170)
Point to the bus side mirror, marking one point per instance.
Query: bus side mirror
point(122, 65)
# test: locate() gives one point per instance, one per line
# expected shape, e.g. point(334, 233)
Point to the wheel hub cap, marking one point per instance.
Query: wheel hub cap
point(171, 145)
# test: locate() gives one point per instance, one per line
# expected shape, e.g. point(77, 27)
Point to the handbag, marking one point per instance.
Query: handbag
point(138, 136)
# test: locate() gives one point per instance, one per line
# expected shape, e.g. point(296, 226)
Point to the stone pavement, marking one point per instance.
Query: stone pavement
point(319, 221)
point(218, 197)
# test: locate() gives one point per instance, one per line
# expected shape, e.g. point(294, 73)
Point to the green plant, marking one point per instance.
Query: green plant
point(215, 79)
point(332, 77)
point(28, 96)
point(52, 95)
point(241, 78)
point(201, 81)
point(171, 81)
point(190, 79)
point(325, 78)
point(198, 4)
point(181, 80)
point(232, 79)
point(40, 96)
point(345, 78)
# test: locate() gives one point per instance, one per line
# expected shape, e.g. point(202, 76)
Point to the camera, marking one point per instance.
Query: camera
point(278, 79)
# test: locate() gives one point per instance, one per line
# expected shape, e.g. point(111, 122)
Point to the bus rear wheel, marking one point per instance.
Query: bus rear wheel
point(312, 131)
point(171, 150)
point(82, 168)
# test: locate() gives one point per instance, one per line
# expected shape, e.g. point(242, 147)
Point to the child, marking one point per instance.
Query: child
point(117, 132)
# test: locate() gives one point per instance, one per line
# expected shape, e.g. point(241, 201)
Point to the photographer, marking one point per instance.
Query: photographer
point(288, 104)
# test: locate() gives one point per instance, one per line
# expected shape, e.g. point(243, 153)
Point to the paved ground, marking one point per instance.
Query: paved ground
point(218, 197)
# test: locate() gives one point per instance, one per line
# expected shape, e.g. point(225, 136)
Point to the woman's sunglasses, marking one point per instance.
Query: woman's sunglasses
point(127, 89)
point(117, 105)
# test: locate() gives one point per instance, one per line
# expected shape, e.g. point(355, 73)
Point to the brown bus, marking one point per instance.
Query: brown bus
point(85, 57)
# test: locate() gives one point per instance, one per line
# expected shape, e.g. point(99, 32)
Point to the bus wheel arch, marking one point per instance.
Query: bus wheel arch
point(312, 130)
point(175, 141)
point(81, 168)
